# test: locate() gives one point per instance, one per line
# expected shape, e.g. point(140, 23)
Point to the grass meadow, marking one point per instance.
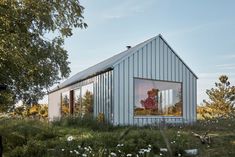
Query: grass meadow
point(71, 136)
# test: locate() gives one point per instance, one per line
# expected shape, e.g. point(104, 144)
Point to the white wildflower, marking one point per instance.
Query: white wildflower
point(141, 151)
point(113, 154)
point(84, 155)
point(147, 150)
point(76, 151)
point(70, 138)
point(62, 150)
point(71, 151)
point(120, 145)
point(163, 150)
point(173, 142)
point(129, 155)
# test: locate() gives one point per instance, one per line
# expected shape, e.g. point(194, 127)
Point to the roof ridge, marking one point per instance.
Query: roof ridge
point(105, 66)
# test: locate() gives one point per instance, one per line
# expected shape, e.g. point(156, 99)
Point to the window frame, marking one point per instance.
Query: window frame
point(80, 94)
point(157, 116)
point(61, 102)
point(93, 84)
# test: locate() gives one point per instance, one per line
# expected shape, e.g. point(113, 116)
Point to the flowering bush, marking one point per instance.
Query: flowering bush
point(39, 111)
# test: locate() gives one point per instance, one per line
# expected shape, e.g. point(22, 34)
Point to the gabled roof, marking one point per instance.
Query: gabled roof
point(100, 67)
point(107, 64)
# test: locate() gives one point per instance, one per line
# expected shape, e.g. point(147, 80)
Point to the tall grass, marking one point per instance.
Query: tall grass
point(27, 138)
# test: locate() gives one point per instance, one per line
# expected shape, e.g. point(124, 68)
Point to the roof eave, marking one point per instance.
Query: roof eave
point(80, 80)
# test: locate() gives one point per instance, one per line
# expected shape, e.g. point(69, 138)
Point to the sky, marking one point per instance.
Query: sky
point(202, 32)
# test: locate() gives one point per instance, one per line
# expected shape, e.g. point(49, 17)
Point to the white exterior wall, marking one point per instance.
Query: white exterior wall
point(102, 96)
point(155, 60)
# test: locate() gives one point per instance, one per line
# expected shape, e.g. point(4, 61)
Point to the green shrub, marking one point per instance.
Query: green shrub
point(31, 149)
point(85, 122)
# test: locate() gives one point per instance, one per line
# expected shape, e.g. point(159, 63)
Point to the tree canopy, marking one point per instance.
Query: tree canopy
point(221, 101)
point(30, 62)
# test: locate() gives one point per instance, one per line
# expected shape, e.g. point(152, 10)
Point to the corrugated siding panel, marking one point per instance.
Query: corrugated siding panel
point(130, 87)
point(169, 60)
point(125, 85)
point(122, 93)
point(140, 63)
point(184, 94)
point(165, 63)
point(195, 98)
point(145, 61)
point(149, 60)
point(191, 96)
point(176, 69)
point(153, 60)
point(157, 60)
point(161, 61)
point(173, 66)
point(116, 95)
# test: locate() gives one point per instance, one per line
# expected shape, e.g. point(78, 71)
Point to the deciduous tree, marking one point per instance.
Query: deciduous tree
point(32, 56)
point(221, 99)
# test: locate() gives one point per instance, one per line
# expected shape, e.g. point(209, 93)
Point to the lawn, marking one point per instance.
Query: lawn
point(86, 137)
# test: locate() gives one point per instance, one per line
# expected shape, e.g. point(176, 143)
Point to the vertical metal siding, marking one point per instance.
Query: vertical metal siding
point(102, 95)
point(130, 84)
point(155, 60)
point(161, 59)
point(169, 64)
point(153, 57)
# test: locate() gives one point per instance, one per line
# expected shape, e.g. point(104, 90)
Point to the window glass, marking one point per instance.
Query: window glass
point(77, 101)
point(65, 103)
point(87, 99)
point(157, 98)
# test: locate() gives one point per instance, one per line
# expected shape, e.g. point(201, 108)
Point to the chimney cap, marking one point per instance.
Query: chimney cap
point(128, 47)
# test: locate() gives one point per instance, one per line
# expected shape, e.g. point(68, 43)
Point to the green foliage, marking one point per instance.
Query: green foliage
point(27, 138)
point(38, 111)
point(33, 148)
point(222, 100)
point(32, 60)
point(87, 101)
point(6, 100)
point(87, 121)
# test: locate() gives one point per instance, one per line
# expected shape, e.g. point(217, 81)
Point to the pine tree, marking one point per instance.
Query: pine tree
point(221, 99)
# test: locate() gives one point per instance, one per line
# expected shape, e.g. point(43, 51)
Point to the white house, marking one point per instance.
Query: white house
point(142, 85)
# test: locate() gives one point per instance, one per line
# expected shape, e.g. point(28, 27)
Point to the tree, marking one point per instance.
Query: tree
point(221, 99)
point(87, 102)
point(31, 60)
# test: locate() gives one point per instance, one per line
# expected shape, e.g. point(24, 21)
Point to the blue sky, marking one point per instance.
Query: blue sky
point(202, 32)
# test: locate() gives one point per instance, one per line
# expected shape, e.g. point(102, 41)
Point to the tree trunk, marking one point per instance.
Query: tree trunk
point(1, 146)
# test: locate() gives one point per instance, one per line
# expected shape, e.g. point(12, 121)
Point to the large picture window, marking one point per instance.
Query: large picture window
point(65, 110)
point(87, 99)
point(77, 101)
point(157, 98)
